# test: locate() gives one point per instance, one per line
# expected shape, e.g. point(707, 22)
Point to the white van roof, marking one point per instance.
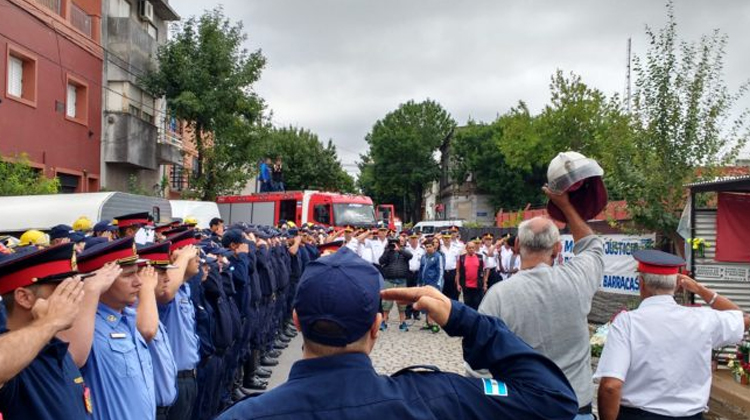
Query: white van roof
point(458, 223)
point(204, 211)
point(20, 213)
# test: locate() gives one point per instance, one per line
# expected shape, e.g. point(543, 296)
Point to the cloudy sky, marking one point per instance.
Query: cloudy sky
point(337, 66)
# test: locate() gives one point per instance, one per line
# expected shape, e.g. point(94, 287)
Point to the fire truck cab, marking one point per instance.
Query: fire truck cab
point(323, 208)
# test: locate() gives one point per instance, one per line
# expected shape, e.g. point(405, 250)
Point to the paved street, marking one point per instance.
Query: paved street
point(393, 351)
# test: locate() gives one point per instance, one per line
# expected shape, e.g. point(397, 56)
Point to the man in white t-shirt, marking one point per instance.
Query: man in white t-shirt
point(657, 359)
point(489, 259)
point(377, 245)
point(414, 246)
point(506, 254)
point(451, 249)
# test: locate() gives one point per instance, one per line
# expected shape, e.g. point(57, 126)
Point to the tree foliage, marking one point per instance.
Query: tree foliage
point(477, 158)
point(17, 177)
point(682, 110)
point(578, 118)
point(207, 78)
point(401, 161)
point(307, 163)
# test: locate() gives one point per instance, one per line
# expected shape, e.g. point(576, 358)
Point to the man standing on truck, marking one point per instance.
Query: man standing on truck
point(264, 175)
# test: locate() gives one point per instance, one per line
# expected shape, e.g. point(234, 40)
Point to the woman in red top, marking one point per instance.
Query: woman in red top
point(470, 279)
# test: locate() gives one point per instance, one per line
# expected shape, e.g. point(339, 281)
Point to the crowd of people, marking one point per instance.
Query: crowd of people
point(126, 319)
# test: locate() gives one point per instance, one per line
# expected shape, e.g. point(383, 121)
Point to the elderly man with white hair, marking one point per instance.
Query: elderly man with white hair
point(657, 360)
point(547, 305)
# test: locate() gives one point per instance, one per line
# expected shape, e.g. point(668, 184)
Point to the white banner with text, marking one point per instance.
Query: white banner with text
point(620, 275)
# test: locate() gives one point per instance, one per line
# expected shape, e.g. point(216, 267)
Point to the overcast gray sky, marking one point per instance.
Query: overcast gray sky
point(337, 66)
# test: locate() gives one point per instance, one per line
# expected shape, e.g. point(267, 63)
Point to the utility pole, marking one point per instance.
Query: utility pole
point(627, 78)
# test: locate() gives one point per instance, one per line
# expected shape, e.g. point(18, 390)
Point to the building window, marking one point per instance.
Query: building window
point(76, 101)
point(132, 109)
point(147, 117)
point(177, 180)
point(21, 77)
point(152, 31)
point(196, 167)
point(15, 76)
point(68, 183)
point(70, 109)
point(119, 8)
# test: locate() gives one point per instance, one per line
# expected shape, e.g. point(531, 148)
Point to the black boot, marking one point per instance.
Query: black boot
point(263, 373)
point(268, 361)
point(253, 386)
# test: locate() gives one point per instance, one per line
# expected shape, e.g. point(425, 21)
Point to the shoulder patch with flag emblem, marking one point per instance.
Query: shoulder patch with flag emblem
point(494, 388)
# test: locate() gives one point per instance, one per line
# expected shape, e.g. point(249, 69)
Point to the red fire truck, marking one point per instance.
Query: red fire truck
point(323, 208)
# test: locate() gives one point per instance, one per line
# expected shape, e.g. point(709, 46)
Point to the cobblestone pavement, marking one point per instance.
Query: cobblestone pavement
point(396, 349)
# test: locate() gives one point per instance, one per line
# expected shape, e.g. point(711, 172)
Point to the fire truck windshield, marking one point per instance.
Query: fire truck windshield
point(353, 214)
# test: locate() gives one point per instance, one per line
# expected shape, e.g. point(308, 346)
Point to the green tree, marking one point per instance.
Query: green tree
point(207, 78)
point(477, 157)
point(307, 163)
point(17, 177)
point(402, 154)
point(578, 118)
point(682, 111)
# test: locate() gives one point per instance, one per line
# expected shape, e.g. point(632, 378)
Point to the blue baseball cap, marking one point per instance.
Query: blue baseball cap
point(340, 289)
point(233, 236)
point(105, 226)
point(60, 231)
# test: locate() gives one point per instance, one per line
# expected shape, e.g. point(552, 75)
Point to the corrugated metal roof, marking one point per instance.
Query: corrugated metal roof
point(742, 182)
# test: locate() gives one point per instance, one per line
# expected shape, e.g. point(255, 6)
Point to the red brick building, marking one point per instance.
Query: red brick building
point(51, 73)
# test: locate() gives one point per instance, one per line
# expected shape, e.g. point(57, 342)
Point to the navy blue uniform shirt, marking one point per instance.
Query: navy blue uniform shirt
point(526, 385)
point(51, 387)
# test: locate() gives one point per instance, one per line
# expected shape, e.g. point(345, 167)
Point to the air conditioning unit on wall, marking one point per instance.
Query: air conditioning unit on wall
point(146, 10)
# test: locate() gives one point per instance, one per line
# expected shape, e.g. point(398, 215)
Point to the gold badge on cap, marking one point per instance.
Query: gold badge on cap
point(74, 262)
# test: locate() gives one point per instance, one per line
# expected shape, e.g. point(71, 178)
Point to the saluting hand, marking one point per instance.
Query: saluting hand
point(425, 298)
point(149, 277)
point(686, 283)
point(62, 306)
point(103, 278)
point(186, 252)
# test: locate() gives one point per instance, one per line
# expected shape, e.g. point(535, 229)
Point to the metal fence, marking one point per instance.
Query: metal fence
point(80, 19)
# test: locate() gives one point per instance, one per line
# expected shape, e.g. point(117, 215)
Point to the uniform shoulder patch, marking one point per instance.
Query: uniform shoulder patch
point(494, 388)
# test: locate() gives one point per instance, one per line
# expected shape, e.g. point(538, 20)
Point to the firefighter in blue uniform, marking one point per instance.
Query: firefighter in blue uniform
point(177, 312)
point(337, 309)
point(267, 278)
point(119, 369)
point(156, 262)
point(42, 381)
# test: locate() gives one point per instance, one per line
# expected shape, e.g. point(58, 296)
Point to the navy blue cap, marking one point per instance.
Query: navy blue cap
point(342, 289)
point(94, 240)
point(77, 236)
point(209, 247)
point(60, 231)
point(233, 236)
point(105, 226)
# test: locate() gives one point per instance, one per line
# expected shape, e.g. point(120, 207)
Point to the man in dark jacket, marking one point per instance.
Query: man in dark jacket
point(394, 264)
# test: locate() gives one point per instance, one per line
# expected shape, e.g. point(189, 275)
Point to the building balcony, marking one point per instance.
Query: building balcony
point(169, 154)
point(80, 20)
point(130, 140)
point(130, 46)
